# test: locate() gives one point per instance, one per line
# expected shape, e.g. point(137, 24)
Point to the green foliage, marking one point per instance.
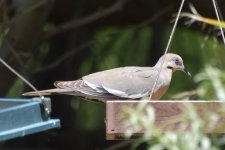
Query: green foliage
point(15, 89)
point(120, 47)
point(197, 50)
point(36, 63)
point(33, 62)
point(210, 85)
point(90, 116)
point(142, 119)
point(3, 33)
point(48, 27)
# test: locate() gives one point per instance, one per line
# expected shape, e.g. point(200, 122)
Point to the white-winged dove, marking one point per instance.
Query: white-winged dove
point(121, 83)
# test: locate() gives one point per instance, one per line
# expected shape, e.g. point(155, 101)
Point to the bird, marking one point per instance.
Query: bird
point(123, 83)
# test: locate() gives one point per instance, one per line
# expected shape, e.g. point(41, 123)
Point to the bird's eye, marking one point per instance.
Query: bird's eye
point(178, 62)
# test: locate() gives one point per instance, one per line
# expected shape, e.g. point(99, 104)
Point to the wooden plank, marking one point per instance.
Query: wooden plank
point(164, 111)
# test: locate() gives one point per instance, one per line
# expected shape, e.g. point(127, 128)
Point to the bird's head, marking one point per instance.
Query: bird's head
point(173, 62)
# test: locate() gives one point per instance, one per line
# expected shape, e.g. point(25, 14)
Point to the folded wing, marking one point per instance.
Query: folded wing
point(125, 83)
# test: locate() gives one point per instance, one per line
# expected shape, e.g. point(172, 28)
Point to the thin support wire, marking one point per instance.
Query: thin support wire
point(219, 12)
point(21, 77)
point(167, 47)
point(216, 7)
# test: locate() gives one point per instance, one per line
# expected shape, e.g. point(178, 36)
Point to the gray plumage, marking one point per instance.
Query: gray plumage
point(121, 83)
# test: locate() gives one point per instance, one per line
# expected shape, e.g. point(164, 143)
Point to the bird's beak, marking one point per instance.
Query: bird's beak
point(187, 72)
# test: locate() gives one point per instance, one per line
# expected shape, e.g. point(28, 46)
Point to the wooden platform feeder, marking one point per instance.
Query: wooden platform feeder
point(20, 117)
point(164, 110)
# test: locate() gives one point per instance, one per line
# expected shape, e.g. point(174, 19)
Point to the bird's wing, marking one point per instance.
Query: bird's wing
point(80, 86)
point(127, 82)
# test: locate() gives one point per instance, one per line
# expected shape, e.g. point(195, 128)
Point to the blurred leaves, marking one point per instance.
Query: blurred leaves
point(119, 47)
point(90, 116)
point(135, 123)
point(194, 16)
point(197, 50)
point(48, 27)
point(211, 85)
point(190, 128)
point(3, 33)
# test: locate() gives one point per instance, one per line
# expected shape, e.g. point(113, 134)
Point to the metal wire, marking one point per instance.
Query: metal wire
point(216, 8)
point(21, 77)
point(167, 47)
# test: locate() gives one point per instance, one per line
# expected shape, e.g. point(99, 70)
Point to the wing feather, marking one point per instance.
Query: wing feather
point(129, 82)
point(125, 83)
point(84, 88)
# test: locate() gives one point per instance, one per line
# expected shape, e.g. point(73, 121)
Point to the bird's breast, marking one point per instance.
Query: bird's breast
point(163, 85)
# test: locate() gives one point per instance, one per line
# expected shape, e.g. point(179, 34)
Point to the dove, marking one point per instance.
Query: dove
point(122, 83)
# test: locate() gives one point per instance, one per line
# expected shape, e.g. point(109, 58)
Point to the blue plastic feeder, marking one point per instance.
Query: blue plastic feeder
point(20, 117)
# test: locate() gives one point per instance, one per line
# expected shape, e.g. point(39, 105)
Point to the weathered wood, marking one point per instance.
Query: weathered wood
point(164, 111)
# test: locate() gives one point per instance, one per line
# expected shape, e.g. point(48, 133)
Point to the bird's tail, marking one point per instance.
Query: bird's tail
point(45, 92)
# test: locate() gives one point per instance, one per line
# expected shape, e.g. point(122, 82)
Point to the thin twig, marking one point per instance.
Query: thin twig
point(153, 18)
point(87, 44)
point(3, 14)
point(30, 9)
point(85, 21)
point(64, 57)
point(15, 53)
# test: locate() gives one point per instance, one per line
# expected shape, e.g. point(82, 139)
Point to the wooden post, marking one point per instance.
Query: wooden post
point(164, 110)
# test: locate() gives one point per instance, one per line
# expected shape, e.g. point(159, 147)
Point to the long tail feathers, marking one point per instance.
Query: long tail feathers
point(45, 92)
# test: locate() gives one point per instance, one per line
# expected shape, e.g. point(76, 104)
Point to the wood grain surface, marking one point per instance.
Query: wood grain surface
point(164, 111)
